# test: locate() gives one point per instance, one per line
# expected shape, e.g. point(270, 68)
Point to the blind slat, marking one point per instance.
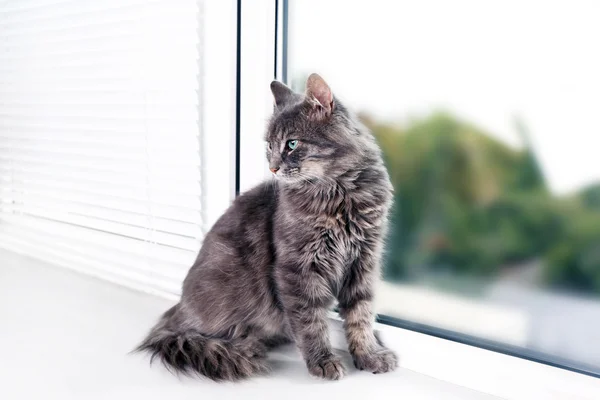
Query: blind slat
point(122, 247)
point(100, 138)
point(190, 215)
point(139, 220)
point(103, 192)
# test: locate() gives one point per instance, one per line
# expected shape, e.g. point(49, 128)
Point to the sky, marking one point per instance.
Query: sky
point(485, 61)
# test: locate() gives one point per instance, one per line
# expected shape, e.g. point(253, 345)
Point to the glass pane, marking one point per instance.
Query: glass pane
point(487, 114)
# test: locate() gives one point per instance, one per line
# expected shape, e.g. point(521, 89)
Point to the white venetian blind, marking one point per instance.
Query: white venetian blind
point(99, 136)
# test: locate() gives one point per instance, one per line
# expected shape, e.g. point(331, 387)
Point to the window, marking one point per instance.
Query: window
point(102, 146)
point(486, 114)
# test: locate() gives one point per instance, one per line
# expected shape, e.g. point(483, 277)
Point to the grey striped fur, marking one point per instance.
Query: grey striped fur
point(284, 252)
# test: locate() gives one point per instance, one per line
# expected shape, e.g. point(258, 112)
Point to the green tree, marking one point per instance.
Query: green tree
point(468, 204)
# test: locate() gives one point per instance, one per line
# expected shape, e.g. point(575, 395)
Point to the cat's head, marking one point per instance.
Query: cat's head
point(311, 136)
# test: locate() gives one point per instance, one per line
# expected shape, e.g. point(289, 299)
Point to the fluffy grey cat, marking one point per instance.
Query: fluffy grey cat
point(273, 265)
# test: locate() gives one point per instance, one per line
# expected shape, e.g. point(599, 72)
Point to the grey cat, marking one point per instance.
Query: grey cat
point(273, 265)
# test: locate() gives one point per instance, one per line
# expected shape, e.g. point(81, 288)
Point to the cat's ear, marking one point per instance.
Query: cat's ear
point(320, 96)
point(281, 94)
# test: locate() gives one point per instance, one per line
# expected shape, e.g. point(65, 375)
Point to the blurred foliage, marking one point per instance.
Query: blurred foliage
point(468, 204)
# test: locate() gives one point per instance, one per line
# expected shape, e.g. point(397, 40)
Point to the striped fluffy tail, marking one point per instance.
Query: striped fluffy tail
point(191, 352)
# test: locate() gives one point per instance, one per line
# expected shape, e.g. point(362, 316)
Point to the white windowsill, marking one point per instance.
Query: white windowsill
point(482, 370)
point(66, 335)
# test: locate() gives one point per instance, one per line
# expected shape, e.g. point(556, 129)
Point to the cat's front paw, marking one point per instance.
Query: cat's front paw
point(377, 361)
point(330, 368)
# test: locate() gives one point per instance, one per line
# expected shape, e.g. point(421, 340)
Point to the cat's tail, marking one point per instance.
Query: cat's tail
point(189, 352)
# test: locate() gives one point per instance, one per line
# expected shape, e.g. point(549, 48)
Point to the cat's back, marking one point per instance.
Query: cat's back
point(232, 267)
point(252, 207)
point(241, 233)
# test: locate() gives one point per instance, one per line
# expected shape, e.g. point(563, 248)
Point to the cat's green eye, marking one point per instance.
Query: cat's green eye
point(292, 144)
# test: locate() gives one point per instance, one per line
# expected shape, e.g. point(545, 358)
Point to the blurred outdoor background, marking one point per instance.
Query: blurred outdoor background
point(487, 116)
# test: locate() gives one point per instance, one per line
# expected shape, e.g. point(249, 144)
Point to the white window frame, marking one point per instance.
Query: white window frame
point(218, 107)
point(256, 74)
point(487, 371)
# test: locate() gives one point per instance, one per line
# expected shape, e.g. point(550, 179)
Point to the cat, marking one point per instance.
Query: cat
point(272, 266)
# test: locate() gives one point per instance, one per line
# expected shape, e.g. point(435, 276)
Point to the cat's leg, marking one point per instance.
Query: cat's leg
point(306, 298)
point(356, 308)
point(272, 342)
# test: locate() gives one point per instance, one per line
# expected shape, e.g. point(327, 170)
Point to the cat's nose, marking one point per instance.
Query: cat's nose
point(274, 170)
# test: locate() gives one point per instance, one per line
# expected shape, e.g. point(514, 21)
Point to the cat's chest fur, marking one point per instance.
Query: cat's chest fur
point(327, 229)
point(339, 231)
